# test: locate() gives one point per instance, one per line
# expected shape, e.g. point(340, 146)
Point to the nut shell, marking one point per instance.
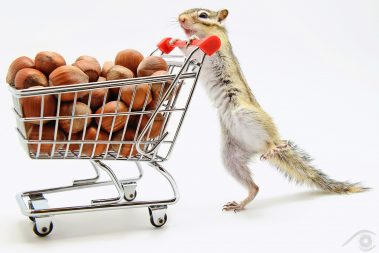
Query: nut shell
point(90, 67)
point(156, 90)
point(78, 123)
point(106, 67)
point(150, 65)
point(142, 94)
point(47, 135)
point(98, 95)
point(16, 65)
point(118, 72)
point(126, 149)
point(101, 79)
point(67, 75)
point(28, 77)
point(87, 58)
point(155, 128)
point(106, 122)
point(97, 98)
point(130, 59)
point(87, 149)
point(31, 106)
point(47, 61)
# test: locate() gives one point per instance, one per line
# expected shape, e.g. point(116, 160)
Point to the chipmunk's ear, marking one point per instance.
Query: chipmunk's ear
point(222, 14)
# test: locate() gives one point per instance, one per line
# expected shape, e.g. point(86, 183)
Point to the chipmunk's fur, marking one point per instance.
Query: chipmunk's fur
point(247, 130)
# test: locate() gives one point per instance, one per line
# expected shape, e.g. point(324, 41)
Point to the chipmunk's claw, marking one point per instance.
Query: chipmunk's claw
point(190, 39)
point(172, 41)
point(232, 206)
point(270, 153)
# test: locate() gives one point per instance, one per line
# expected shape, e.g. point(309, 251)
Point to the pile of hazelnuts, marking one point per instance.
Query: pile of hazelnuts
point(50, 69)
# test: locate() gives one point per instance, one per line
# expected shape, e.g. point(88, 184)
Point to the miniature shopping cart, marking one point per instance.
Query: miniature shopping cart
point(172, 105)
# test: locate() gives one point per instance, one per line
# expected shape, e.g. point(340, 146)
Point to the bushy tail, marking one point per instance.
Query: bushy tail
point(296, 165)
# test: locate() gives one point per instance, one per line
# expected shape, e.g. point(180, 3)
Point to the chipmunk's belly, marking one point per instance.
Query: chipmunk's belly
point(245, 129)
point(241, 122)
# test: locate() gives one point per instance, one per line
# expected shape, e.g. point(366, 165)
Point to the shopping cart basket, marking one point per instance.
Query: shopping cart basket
point(175, 95)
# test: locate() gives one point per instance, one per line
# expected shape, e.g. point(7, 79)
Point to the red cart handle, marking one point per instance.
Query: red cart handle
point(209, 45)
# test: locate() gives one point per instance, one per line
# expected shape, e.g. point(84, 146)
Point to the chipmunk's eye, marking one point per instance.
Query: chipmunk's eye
point(203, 15)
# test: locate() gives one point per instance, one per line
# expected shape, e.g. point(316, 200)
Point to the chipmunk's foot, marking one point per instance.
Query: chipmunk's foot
point(233, 206)
point(278, 148)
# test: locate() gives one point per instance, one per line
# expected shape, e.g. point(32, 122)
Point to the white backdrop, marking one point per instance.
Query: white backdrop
point(313, 65)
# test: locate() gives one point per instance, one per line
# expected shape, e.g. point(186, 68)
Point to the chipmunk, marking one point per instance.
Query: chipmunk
point(247, 130)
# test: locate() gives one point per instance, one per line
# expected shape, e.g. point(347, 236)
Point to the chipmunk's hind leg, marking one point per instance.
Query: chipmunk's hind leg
point(235, 160)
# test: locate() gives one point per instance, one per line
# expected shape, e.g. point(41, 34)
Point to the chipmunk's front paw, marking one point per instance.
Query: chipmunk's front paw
point(172, 41)
point(190, 39)
point(233, 206)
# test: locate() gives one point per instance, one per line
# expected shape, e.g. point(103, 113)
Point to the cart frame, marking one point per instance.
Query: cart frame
point(34, 204)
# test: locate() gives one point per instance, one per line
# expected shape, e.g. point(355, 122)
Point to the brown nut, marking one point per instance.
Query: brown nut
point(47, 61)
point(142, 94)
point(28, 77)
point(118, 72)
point(67, 75)
point(126, 149)
point(97, 98)
point(16, 65)
point(156, 90)
point(119, 121)
point(47, 135)
point(155, 128)
point(31, 106)
point(130, 59)
point(90, 67)
point(90, 135)
point(106, 67)
point(87, 58)
point(150, 65)
point(78, 124)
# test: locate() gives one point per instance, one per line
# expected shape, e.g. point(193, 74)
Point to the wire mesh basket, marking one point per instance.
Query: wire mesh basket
point(109, 120)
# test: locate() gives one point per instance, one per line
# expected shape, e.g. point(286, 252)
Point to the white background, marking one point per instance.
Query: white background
point(313, 65)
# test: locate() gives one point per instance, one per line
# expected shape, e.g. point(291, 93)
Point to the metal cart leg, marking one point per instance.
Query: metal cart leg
point(158, 216)
point(89, 180)
point(116, 183)
point(34, 204)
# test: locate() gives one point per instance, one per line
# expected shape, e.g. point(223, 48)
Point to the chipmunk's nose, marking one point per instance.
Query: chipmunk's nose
point(182, 18)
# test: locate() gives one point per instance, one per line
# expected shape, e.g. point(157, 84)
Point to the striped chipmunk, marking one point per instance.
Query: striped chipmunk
point(247, 130)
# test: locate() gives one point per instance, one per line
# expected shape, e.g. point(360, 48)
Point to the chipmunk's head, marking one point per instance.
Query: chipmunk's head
point(202, 22)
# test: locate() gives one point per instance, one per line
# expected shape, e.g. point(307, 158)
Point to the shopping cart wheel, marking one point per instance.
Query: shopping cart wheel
point(43, 231)
point(131, 196)
point(161, 221)
point(158, 216)
point(130, 192)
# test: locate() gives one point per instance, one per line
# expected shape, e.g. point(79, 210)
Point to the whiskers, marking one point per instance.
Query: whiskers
point(173, 23)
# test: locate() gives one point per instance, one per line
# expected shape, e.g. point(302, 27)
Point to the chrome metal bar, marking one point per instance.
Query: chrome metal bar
point(98, 207)
point(86, 208)
point(173, 100)
point(152, 118)
point(116, 183)
point(56, 125)
point(89, 180)
point(29, 119)
point(92, 86)
point(186, 106)
point(169, 178)
point(77, 186)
